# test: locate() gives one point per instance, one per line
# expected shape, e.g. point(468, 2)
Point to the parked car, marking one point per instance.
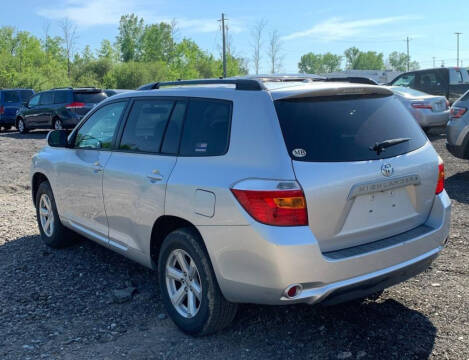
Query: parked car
point(60, 108)
point(10, 101)
point(450, 82)
point(247, 191)
point(458, 128)
point(429, 110)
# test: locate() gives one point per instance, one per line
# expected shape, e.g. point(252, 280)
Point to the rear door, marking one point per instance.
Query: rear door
point(135, 176)
point(85, 100)
point(11, 103)
point(355, 195)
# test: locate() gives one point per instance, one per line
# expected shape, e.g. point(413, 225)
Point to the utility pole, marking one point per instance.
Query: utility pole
point(457, 57)
point(408, 55)
point(224, 42)
point(433, 61)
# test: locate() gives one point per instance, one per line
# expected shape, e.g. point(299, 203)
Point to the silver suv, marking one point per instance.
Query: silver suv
point(458, 128)
point(252, 190)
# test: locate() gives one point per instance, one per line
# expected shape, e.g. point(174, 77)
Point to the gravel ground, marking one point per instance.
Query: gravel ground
point(59, 304)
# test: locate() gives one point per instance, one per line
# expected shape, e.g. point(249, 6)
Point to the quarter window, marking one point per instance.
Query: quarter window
point(98, 131)
point(34, 101)
point(206, 129)
point(61, 97)
point(146, 125)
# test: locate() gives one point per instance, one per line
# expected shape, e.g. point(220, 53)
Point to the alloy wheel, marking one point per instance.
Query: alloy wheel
point(46, 215)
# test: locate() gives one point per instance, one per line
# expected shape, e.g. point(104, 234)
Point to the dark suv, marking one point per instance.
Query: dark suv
point(58, 108)
point(10, 101)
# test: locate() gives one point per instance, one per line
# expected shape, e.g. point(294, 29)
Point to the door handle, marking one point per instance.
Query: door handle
point(98, 167)
point(155, 176)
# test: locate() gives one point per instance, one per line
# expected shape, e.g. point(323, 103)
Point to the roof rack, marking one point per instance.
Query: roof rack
point(61, 88)
point(240, 84)
point(352, 79)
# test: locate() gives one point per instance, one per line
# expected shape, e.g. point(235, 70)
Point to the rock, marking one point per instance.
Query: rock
point(344, 355)
point(162, 316)
point(123, 295)
point(436, 284)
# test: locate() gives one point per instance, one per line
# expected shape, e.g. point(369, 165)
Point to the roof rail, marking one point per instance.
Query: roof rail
point(61, 88)
point(240, 84)
point(352, 79)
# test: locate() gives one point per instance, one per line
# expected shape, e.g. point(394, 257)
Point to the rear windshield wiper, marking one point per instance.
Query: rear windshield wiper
point(381, 146)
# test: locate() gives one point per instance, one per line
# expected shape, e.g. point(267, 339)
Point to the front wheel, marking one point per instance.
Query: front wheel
point(58, 124)
point(189, 288)
point(21, 126)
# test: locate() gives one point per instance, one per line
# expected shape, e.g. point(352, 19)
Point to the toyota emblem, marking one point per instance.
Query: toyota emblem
point(387, 170)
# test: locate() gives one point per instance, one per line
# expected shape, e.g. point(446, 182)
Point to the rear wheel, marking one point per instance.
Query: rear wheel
point(189, 287)
point(53, 233)
point(21, 126)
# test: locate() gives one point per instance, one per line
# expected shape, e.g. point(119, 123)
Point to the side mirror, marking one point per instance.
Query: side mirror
point(58, 138)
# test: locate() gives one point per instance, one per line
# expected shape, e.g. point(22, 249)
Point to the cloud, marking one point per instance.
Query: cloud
point(336, 28)
point(89, 13)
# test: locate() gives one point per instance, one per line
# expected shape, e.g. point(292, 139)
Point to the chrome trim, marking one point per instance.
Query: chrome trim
point(383, 185)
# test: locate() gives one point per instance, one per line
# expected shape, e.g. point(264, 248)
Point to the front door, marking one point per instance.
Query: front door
point(32, 111)
point(136, 175)
point(82, 172)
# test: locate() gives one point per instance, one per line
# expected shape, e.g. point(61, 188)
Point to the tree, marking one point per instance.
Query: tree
point(157, 43)
point(129, 38)
point(107, 51)
point(319, 63)
point(70, 36)
point(351, 56)
point(257, 33)
point(398, 61)
point(274, 52)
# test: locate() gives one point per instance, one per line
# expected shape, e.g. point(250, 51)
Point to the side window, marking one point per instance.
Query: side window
point(206, 129)
point(405, 80)
point(145, 126)
point(173, 131)
point(98, 130)
point(47, 98)
point(34, 101)
point(428, 80)
point(61, 97)
point(11, 97)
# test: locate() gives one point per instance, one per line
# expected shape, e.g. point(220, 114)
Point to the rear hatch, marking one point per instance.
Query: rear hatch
point(356, 195)
point(11, 104)
point(86, 99)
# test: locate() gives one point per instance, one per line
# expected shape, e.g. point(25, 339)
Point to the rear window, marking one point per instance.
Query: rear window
point(343, 128)
point(11, 97)
point(89, 97)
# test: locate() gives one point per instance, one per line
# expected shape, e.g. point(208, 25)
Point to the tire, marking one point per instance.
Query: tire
point(21, 126)
point(213, 311)
point(56, 235)
point(57, 124)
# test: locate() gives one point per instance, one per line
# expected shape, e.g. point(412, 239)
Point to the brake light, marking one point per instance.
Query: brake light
point(2, 110)
point(75, 105)
point(456, 112)
point(274, 207)
point(421, 105)
point(440, 185)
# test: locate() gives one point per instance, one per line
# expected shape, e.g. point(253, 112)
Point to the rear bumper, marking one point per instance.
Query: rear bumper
point(431, 119)
point(4, 120)
point(256, 263)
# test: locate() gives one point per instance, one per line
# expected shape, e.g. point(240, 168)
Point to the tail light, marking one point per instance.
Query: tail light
point(2, 110)
point(456, 112)
point(421, 105)
point(440, 185)
point(273, 202)
point(75, 105)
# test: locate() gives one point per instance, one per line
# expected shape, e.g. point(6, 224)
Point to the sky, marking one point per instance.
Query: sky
point(304, 25)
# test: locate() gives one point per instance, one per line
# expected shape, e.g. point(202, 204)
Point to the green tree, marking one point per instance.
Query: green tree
point(129, 38)
point(319, 63)
point(370, 60)
point(351, 56)
point(398, 61)
point(107, 51)
point(157, 43)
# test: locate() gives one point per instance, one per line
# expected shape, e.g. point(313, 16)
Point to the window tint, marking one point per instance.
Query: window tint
point(98, 130)
point(26, 94)
point(206, 128)
point(146, 125)
point(47, 98)
point(11, 97)
point(342, 128)
point(89, 97)
point(428, 80)
point(405, 80)
point(173, 131)
point(34, 101)
point(61, 97)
